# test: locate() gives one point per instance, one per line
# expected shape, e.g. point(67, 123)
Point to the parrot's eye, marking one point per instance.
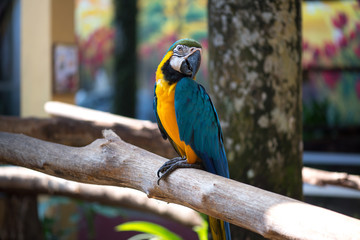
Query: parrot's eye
point(181, 50)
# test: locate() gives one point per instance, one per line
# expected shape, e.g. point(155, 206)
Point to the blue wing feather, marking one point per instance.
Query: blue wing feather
point(199, 125)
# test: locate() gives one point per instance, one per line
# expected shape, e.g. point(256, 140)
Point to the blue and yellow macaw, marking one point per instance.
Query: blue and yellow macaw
point(187, 117)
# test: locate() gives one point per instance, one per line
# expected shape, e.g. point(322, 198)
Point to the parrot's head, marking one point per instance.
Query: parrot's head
point(182, 60)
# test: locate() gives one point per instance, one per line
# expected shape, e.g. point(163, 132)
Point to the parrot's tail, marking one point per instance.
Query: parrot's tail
point(220, 230)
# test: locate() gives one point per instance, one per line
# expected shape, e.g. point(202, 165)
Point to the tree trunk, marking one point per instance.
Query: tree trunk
point(255, 57)
point(20, 217)
point(125, 57)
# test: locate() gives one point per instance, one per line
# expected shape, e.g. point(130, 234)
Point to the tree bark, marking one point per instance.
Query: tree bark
point(111, 161)
point(255, 62)
point(20, 217)
point(18, 179)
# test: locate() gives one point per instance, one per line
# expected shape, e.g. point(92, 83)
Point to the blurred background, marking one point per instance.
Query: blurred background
point(71, 51)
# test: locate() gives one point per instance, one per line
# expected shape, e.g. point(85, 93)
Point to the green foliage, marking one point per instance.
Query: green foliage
point(314, 113)
point(149, 230)
point(152, 230)
point(156, 232)
point(195, 14)
point(50, 223)
point(159, 19)
point(90, 210)
point(202, 230)
point(152, 19)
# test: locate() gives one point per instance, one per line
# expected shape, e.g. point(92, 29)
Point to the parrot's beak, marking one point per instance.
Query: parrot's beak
point(191, 63)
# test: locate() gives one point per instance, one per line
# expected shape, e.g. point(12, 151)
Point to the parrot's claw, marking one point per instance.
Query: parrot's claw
point(169, 164)
point(173, 164)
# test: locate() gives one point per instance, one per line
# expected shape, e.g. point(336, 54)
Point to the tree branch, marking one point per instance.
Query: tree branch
point(25, 180)
point(78, 126)
point(321, 178)
point(141, 133)
point(309, 175)
point(110, 161)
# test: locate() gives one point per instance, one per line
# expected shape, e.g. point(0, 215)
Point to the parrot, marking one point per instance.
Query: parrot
point(187, 118)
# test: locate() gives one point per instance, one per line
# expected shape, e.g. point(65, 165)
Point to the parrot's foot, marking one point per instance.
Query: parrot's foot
point(173, 164)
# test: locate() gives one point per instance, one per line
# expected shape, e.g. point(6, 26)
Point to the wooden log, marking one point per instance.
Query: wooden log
point(309, 175)
point(111, 161)
point(321, 178)
point(59, 130)
point(78, 126)
point(24, 180)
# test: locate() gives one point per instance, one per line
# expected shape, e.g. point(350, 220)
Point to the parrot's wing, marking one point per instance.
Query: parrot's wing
point(199, 125)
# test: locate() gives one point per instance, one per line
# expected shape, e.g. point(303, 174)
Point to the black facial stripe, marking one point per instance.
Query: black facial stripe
point(171, 75)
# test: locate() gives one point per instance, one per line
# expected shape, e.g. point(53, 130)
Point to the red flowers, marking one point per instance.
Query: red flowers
point(357, 88)
point(357, 51)
point(331, 78)
point(343, 42)
point(330, 49)
point(340, 20)
point(357, 27)
point(316, 53)
point(97, 48)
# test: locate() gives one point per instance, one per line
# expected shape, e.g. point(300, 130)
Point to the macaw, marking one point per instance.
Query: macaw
point(187, 118)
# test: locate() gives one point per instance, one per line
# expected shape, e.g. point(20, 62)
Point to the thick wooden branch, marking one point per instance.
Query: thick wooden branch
point(311, 176)
point(321, 178)
point(110, 161)
point(26, 180)
point(59, 130)
point(78, 126)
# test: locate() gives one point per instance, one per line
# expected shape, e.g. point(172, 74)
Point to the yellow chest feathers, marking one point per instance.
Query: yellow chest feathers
point(165, 94)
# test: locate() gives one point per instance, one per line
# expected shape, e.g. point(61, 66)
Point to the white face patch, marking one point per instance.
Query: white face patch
point(175, 62)
point(181, 53)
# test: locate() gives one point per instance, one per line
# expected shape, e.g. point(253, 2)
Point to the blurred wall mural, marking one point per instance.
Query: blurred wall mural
point(331, 54)
point(331, 61)
point(65, 68)
point(95, 37)
point(160, 24)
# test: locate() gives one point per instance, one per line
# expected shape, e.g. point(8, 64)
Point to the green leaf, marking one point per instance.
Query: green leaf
point(150, 228)
point(202, 230)
point(144, 236)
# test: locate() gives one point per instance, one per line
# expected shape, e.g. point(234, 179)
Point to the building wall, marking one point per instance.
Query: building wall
point(35, 86)
point(63, 32)
point(43, 23)
point(62, 24)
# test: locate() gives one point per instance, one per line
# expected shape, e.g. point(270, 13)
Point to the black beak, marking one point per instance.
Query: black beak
point(191, 64)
